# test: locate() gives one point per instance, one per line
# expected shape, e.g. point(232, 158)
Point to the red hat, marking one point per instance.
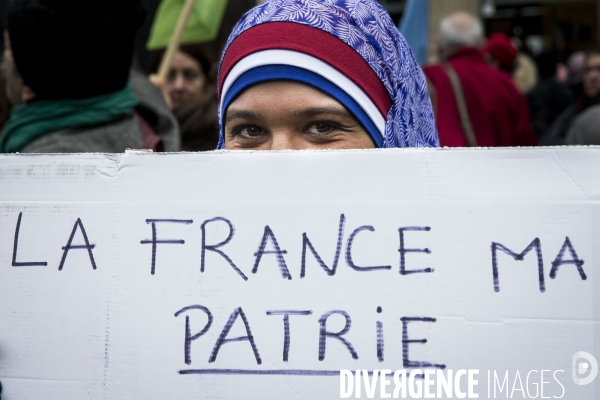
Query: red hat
point(501, 48)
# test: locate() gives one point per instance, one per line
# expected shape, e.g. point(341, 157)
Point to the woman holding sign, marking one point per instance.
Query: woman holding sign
point(333, 74)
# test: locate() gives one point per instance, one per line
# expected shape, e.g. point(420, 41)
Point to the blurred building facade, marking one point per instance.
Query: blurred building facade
point(540, 27)
point(557, 27)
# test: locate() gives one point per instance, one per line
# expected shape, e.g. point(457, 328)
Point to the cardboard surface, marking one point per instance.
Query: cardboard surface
point(69, 331)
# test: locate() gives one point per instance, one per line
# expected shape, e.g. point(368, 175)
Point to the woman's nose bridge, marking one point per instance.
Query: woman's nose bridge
point(283, 139)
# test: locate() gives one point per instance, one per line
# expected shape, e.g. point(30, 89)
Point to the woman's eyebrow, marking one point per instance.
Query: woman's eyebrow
point(243, 114)
point(315, 111)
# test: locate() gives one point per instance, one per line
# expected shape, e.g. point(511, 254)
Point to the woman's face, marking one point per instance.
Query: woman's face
point(185, 80)
point(283, 115)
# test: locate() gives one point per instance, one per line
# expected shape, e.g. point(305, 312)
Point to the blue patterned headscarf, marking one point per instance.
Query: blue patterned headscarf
point(278, 40)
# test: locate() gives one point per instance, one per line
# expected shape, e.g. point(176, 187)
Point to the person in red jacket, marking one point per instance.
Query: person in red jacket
point(494, 110)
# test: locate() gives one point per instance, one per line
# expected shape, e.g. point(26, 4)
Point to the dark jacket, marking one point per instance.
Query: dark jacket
point(547, 101)
point(199, 122)
point(584, 129)
point(558, 131)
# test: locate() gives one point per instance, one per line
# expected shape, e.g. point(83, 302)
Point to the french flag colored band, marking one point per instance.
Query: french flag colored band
point(319, 53)
point(311, 41)
point(310, 64)
point(286, 72)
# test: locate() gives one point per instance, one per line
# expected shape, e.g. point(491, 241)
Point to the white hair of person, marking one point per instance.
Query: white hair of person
point(459, 30)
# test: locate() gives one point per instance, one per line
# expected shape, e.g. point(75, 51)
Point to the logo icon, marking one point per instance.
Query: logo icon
point(582, 363)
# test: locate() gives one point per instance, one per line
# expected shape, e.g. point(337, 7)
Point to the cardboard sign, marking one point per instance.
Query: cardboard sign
point(262, 275)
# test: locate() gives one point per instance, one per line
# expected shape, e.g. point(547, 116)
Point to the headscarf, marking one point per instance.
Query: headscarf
point(349, 49)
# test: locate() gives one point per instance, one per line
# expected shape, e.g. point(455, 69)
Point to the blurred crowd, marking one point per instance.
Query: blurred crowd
point(507, 98)
point(92, 97)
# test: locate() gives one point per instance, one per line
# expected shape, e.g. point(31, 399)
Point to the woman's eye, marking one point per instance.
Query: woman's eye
point(252, 131)
point(247, 131)
point(321, 128)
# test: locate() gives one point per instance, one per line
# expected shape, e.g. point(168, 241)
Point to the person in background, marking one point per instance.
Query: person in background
point(190, 92)
point(586, 113)
point(501, 53)
point(550, 97)
point(590, 97)
point(188, 76)
point(198, 122)
point(525, 74)
point(84, 99)
point(326, 74)
point(477, 105)
point(575, 68)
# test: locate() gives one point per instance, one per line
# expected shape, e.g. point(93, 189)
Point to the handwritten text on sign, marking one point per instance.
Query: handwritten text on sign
point(252, 274)
point(270, 247)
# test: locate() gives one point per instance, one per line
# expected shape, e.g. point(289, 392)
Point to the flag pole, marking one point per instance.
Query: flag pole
point(167, 59)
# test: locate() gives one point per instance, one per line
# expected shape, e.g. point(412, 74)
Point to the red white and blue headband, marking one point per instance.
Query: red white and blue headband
point(334, 53)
